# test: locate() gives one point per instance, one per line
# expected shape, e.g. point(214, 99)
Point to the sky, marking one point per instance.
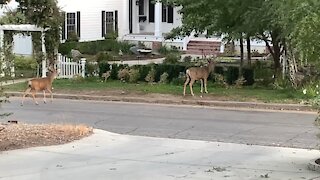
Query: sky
point(12, 5)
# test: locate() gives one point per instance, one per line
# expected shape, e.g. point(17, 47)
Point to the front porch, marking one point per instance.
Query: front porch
point(149, 20)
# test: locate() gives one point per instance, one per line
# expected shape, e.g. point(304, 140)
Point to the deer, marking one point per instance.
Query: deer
point(40, 84)
point(198, 73)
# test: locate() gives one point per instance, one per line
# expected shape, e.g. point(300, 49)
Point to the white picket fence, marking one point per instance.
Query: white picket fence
point(69, 69)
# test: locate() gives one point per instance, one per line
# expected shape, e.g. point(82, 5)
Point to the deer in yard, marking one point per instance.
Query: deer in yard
point(40, 84)
point(198, 73)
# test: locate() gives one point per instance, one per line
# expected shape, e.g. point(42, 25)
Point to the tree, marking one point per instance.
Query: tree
point(257, 18)
point(45, 14)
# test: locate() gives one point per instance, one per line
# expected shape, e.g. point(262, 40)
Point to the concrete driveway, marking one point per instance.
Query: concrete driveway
point(106, 155)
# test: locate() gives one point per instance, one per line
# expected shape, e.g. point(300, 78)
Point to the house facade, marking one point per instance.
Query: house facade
point(133, 20)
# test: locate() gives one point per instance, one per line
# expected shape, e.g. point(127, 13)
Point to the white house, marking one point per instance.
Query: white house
point(133, 20)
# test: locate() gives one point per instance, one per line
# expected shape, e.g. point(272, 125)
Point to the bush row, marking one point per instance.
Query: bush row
point(175, 73)
point(94, 47)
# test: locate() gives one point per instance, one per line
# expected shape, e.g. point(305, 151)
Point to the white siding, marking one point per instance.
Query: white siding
point(90, 12)
point(22, 44)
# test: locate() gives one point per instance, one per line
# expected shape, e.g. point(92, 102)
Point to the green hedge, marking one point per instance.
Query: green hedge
point(174, 70)
point(94, 47)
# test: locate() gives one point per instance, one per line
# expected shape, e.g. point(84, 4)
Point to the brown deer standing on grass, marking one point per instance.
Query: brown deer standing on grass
point(198, 73)
point(40, 84)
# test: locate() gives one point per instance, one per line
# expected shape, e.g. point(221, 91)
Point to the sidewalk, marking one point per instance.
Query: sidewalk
point(107, 155)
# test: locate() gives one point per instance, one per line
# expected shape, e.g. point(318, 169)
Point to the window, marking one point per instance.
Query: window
point(71, 24)
point(167, 13)
point(109, 22)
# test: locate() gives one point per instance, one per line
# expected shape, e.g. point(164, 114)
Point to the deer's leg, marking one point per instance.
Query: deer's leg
point(205, 85)
point(191, 84)
point(50, 91)
point(201, 85)
point(44, 96)
point(24, 95)
point(185, 85)
point(34, 97)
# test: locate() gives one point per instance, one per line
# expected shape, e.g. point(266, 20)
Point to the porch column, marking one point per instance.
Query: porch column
point(1, 53)
point(44, 60)
point(125, 18)
point(158, 19)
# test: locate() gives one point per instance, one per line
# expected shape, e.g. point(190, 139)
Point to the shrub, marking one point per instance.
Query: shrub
point(164, 78)
point(232, 75)
point(134, 75)
point(72, 37)
point(143, 70)
point(123, 74)
point(104, 57)
point(66, 47)
point(103, 67)
point(93, 47)
point(172, 59)
point(92, 69)
point(240, 82)
point(150, 78)
point(25, 63)
point(248, 75)
point(220, 81)
point(187, 59)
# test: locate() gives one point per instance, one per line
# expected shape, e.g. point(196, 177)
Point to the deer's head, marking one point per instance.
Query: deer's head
point(53, 72)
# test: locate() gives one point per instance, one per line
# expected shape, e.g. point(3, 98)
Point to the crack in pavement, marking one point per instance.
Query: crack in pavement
point(245, 131)
point(184, 130)
point(131, 131)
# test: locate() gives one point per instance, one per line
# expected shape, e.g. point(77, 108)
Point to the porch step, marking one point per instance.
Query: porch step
point(203, 47)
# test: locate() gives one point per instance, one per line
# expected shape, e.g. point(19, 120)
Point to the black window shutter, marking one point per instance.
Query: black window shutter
point(78, 24)
point(63, 33)
point(170, 14)
point(151, 11)
point(116, 21)
point(103, 24)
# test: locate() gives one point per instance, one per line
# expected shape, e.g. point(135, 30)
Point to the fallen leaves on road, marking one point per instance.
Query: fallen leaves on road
point(18, 136)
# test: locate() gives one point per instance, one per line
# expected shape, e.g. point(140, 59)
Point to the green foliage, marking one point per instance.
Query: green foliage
point(104, 57)
point(164, 78)
point(150, 78)
point(25, 63)
point(123, 74)
point(66, 48)
point(13, 17)
point(187, 59)
point(134, 75)
point(45, 14)
point(172, 58)
point(72, 37)
point(95, 47)
point(232, 75)
point(92, 69)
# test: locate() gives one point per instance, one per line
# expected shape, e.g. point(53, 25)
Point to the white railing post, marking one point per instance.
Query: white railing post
point(83, 67)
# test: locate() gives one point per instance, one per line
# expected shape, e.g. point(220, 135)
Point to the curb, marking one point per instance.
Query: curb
point(205, 103)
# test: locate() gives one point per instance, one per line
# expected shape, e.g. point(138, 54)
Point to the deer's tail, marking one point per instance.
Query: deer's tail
point(29, 83)
point(188, 77)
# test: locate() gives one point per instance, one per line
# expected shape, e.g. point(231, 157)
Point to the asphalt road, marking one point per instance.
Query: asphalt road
point(286, 129)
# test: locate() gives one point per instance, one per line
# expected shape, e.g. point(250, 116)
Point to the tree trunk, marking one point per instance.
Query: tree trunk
point(275, 51)
point(241, 56)
point(249, 50)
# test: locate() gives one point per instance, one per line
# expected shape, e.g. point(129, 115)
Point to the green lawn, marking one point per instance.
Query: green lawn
point(243, 94)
